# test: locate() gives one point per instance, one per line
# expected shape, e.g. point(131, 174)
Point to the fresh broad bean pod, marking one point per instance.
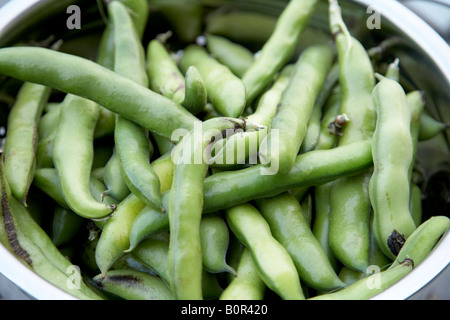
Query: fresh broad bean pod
point(164, 75)
point(134, 285)
point(370, 286)
point(65, 226)
point(350, 204)
point(21, 138)
point(214, 241)
point(73, 161)
point(389, 185)
point(21, 235)
point(186, 206)
point(114, 238)
point(105, 87)
point(235, 56)
point(132, 142)
point(278, 49)
point(225, 90)
point(430, 127)
point(247, 285)
point(113, 177)
point(416, 102)
point(196, 96)
point(273, 262)
point(420, 243)
point(289, 125)
point(288, 225)
point(415, 204)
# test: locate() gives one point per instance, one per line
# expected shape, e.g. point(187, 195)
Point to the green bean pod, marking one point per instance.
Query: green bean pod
point(65, 225)
point(273, 261)
point(105, 87)
point(370, 286)
point(321, 223)
point(164, 75)
point(279, 48)
point(288, 225)
point(420, 243)
point(235, 56)
point(214, 241)
point(289, 125)
point(389, 185)
point(225, 90)
point(73, 161)
point(430, 127)
point(132, 141)
point(350, 203)
point(21, 138)
point(113, 177)
point(48, 122)
point(21, 235)
point(186, 207)
point(247, 285)
point(134, 285)
point(114, 238)
point(416, 103)
point(44, 150)
point(196, 92)
point(415, 204)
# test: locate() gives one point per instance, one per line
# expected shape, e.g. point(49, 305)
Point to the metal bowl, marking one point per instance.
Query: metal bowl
point(424, 61)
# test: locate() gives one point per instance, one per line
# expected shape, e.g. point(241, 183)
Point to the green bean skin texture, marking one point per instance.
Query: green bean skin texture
point(134, 285)
point(420, 243)
point(273, 262)
point(296, 105)
point(48, 122)
point(73, 161)
point(196, 92)
point(370, 286)
point(278, 49)
point(21, 138)
point(44, 150)
point(214, 241)
point(389, 185)
point(225, 90)
point(186, 208)
point(288, 225)
point(247, 285)
point(235, 56)
point(79, 76)
point(416, 103)
point(139, 12)
point(164, 75)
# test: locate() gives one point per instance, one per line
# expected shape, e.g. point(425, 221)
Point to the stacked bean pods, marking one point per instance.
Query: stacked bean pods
point(193, 164)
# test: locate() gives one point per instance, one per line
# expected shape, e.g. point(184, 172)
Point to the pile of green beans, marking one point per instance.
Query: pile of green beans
point(189, 165)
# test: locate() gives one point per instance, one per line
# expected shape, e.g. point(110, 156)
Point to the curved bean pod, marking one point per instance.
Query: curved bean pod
point(110, 90)
point(273, 262)
point(288, 225)
point(247, 285)
point(368, 287)
point(73, 161)
point(134, 285)
point(389, 185)
point(225, 90)
point(280, 46)
point(422, 240)
point(21, 138)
